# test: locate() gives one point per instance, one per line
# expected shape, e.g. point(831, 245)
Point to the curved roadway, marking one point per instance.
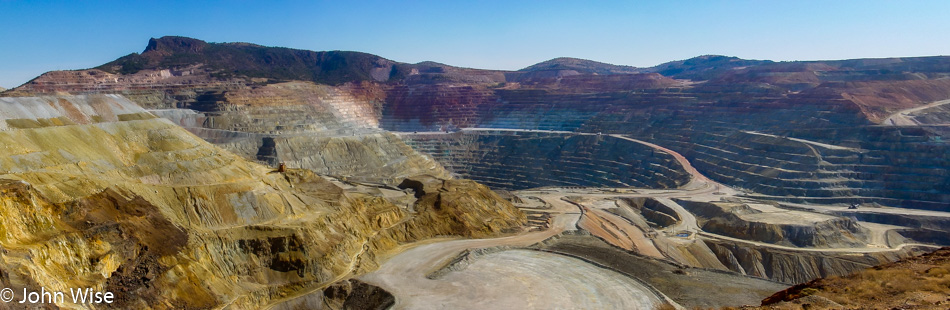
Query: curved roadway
point(508, 279)
point(404, 275)
point(903, 117)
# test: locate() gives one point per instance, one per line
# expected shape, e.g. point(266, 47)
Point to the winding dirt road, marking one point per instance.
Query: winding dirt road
point(515, 279)
point(903, 117)
point(404, 275)
point(527, 279)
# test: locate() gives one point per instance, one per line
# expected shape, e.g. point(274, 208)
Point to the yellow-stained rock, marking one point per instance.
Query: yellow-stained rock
point(142, 208)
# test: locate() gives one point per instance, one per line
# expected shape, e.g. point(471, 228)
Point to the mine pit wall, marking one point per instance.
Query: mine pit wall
point(51, 111)
point(442, 107)
point(531, 109)
point(429, 107)
point(781, 265)
point(900, 167)
point(218, 113)
point(655, 212)
point(327, 147)
point(786, 266)
point(724, 219)
point(798, 267)
point(513, 160)
point(935, 115)
point(905, 220)
point(919, 228)
point(374, 156)
point(380, 157)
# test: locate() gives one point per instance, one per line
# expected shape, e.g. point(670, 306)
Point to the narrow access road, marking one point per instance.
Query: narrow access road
point(903, 118)
point(698, 179)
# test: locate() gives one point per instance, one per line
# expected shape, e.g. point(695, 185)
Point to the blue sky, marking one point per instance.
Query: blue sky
point(39, 36)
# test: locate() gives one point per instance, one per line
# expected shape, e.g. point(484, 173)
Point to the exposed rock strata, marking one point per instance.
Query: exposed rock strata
point(374, 156)
point(785, 265)
point(796, 267)
point(509, 160)
point(776, 226)
point(703, 108)
point(165, 220)
point(689, 287)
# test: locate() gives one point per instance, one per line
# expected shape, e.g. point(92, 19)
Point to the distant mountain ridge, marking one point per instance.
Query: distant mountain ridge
point(581, 66)
point(702, 67)
point(280, 63)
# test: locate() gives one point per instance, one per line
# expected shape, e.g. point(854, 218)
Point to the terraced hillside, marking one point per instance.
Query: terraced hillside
point(793, 131)
point(156, 176)
point(780, 138)
point(519, 160)
point(895, 166)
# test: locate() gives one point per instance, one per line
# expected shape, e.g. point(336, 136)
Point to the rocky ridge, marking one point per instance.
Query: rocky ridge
point(245, 59)
point(580, 66)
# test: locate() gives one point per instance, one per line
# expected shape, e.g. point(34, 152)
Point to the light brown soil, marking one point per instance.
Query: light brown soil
point(921, 282)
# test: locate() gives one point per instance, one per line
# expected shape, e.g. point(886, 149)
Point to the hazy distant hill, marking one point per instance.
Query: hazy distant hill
point(581, 66)
point(703, 67)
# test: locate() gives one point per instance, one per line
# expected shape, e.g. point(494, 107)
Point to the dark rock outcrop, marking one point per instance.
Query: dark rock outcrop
point(227, 59)
point(355, 294)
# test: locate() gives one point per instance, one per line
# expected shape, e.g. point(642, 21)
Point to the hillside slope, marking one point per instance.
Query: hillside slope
point(97, 192)
point(581, 66)
point(920, 282)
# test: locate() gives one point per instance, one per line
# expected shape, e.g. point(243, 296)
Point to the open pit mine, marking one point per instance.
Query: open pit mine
point(200, 175)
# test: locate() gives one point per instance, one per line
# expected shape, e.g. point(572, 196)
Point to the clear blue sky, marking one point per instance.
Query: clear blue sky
point(39, 36)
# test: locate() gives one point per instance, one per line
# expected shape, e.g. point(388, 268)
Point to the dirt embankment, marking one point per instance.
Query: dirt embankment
point(690, 287)
point(921, 282)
